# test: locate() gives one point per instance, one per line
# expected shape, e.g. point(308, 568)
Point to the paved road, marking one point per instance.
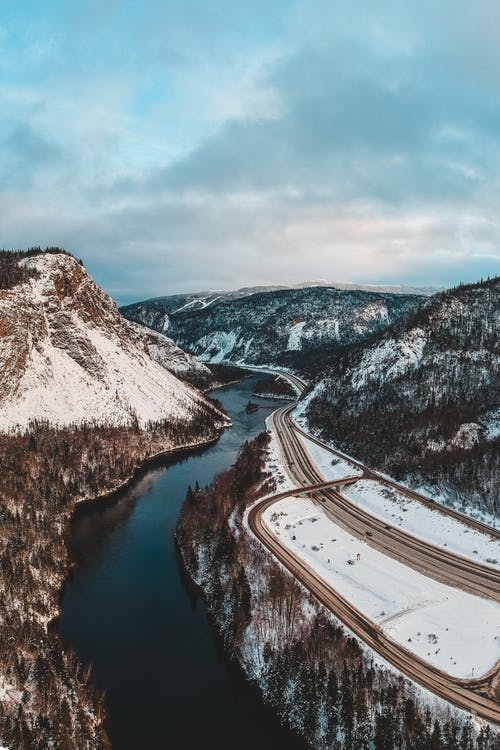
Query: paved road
point(481, 695)
point(436, 562)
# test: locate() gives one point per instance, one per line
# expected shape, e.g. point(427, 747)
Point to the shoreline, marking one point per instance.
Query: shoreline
point(220, 386)
point(108, 497)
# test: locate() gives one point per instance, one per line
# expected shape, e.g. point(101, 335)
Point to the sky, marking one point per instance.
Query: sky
point(182, 145)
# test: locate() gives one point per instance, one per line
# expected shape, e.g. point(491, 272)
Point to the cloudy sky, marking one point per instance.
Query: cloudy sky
point(179, 145)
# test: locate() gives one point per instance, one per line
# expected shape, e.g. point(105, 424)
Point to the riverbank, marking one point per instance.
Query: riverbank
point(127, 596)
point(48, 697)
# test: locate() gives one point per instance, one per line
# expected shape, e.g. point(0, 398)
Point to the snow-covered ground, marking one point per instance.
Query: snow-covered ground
point(275, 464)
point(329, 465)
point(455, 631)
point(436, 528)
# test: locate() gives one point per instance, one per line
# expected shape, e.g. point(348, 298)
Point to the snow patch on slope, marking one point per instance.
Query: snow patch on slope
point(390, 359)
point(294, 338)
point(216, 346)
point(69, 357)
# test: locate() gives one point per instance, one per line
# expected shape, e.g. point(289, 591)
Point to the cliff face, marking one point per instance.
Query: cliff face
point(69, 357)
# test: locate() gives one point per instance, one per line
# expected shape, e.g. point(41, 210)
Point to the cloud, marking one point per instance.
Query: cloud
point(26, 152)
point(184, 146)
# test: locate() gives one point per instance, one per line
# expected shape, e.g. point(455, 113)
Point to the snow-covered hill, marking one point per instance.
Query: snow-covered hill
point(423, 396)
point(69, 357)
point(176, 303)
point(287, 326)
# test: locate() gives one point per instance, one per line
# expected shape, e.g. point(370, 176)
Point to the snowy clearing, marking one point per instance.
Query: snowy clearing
point(436, 528)
point(330, 466)
point(452, 630)
point(275, 464)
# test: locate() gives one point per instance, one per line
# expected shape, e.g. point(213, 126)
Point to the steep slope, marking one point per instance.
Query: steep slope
point(422, 398)
point(163, 350)
point(67, 355)
point(291, 327)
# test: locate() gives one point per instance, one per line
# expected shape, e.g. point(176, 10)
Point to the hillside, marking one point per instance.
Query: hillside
point(291, 327)
point(86, 399)
point(67, 355)
point(421, 400)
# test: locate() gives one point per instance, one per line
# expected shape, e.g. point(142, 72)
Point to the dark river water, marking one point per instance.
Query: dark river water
point(129, 611)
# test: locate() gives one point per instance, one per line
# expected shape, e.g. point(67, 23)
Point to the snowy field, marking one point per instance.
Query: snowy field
point(455, 631)
point(329, 465)
point(417, 519)
point(275, 463)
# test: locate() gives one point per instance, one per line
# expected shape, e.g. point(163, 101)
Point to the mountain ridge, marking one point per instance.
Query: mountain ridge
point(285, 327)
point(68, 356)
point(421, 399)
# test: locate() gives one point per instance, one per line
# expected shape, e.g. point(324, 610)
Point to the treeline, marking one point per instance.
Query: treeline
point(11, 273)
point(225, 373)
point(393, 435)
point(50, 703)
point(323, 685)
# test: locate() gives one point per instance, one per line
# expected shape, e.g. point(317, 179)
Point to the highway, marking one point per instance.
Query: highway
point(479, 695)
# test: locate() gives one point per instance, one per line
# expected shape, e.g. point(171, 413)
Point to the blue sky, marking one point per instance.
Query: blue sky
point(186, 145)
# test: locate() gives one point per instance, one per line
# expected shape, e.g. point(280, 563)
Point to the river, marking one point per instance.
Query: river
point(128, 610)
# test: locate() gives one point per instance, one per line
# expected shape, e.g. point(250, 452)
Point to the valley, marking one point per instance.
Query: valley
point(317, 544)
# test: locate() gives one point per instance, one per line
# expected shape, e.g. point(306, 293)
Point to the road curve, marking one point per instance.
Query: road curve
point(436, 562)
point(480, 695)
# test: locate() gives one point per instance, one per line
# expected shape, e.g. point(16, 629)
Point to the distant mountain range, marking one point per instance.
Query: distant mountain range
point(284, 326)
point(199, 300)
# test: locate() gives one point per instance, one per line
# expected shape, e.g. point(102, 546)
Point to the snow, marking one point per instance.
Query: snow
point(275, 464)
point(299, 414)
point(467, 435)
point(449, 628)
point(216, 346)
point(417, 519)
point(491, 424)
point(56, 388)
point(199, 303)
point(390, 359)
point(80, 369)
point(294, 342)
point(330, 466)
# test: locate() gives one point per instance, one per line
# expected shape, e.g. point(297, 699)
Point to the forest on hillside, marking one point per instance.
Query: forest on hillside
point(49, 702)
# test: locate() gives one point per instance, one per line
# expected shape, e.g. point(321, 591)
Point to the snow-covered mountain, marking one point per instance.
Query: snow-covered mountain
point(424, 395)
point(286, 326)
point(176, 303)
point(69, 357)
